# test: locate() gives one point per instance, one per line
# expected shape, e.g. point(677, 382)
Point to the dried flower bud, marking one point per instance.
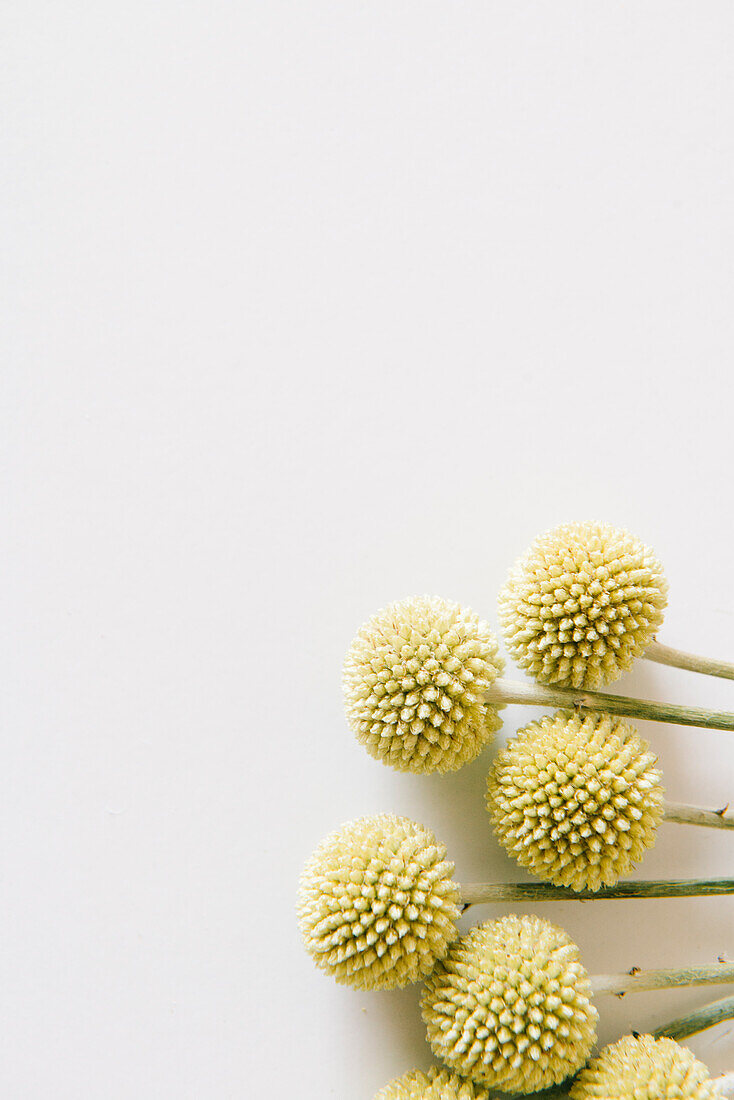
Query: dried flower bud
point(414, 683)
point(435, 1085)
point(581, 604)
point(510, 1006)
point(377, 903)
point(576, 800)
point(644, 1068)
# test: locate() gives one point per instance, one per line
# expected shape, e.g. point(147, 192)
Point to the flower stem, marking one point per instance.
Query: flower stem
point(641, 980)
point(695, 815)
point(666, 655)
point(541, 695)
point(708, 1016)
point(501, 893)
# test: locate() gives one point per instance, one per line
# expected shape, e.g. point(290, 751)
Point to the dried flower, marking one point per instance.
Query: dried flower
point(576, 800)
point(581, 604)
point(644, 1068)
point(414, 683)
point(437, 1084)
point(510, 1005)
point(377, 904)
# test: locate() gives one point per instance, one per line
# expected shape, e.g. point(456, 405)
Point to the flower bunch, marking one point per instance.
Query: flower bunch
point(576, 797)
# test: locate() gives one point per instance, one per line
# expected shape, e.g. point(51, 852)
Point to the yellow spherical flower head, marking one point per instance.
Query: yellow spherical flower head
point(644, 1068)
point(576, 800)
point(414, 683)
point(510, 1006)
point(377, 903)
point(435, 1085)
point(581, 604)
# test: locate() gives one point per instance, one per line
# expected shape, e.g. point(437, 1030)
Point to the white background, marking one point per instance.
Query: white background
point(308, 307)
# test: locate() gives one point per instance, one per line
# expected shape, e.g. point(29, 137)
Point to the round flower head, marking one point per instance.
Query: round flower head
point(435, 1085)
point(510, 1006)
point(576, 800)
point(644, 1068)
point(414, 684)
point(377, 904)
point(581, 604)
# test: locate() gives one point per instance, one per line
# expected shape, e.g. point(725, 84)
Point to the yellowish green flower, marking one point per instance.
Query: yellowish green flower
point(575, 800)
point(644, 1068)
point(437, 1084)
point(377, 903)
point(510, 1006)
point(581, 603)
point(414, 683)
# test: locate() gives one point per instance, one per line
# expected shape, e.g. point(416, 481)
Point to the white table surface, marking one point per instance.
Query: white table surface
point(309, 307)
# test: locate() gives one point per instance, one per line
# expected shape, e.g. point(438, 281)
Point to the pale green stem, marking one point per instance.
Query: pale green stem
point(504, 893)
point(695, 815)
point(708, 1016)
point(666, 655)
point(543, 695)
point(637, 981)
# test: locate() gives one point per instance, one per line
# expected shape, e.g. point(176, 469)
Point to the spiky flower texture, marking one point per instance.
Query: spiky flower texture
point(644, 1068)
point(576, 800)
point(510, 1006)
point(414, 683)
point(581, 603)
point(437, 1084)
point(377, 903)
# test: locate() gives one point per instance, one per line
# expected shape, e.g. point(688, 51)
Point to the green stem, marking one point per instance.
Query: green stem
point(708, 1016)
point(695, 815)
point(666, 655)
point(500, 893)
point(643, 980)
point(541, 695)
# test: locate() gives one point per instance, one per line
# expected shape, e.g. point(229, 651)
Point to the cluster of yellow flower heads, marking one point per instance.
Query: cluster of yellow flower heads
point(576, 800)
point(581, 603)
point(510, 1006)
point(437, 1084)
point(644, 1068)
point(414, 683)
point(377, 903)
